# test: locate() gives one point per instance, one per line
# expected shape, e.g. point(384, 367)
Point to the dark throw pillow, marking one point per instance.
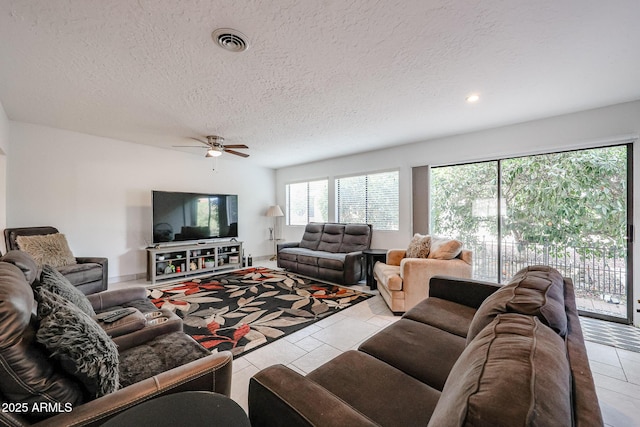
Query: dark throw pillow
point(75, 340)
point(54, 281)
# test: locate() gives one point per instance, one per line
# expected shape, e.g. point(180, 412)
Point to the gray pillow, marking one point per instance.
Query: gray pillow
point(51, 249)
point(54, 281)
point(75, 340)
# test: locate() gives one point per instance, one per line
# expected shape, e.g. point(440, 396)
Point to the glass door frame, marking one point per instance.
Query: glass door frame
point(629, 222)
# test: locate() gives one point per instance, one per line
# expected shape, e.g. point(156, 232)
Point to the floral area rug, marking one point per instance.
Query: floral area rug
point(244, 309)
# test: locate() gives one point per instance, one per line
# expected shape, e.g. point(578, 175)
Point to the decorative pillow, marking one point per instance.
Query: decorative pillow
point(75, 340)
point(53, 281)
point(537, 290)
point(443, 248)
point(515, 371)
point(51, 249)
point(419, 246)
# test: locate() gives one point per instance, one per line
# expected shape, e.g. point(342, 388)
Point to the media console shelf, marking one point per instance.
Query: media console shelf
point(174, 262)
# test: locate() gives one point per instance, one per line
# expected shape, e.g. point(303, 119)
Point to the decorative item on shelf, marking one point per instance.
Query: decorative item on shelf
point(209, 263)
point(249, 261)
point(193, 266)
point(160, 257)
point(221, 261)
point(234, 259)
point(170, 268)
point(275, 212)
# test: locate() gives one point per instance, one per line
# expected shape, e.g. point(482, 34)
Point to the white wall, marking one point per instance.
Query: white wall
point(4, 144)
point(579, 130)
point(97, 191)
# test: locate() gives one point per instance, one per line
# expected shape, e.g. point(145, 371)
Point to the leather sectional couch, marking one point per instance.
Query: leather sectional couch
point(328, 251)
point(41, 387)
point(473, 354)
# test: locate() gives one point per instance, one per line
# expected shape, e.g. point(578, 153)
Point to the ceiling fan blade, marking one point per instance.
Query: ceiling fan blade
point(235, 146)
point(199, 140)
point(237, 153)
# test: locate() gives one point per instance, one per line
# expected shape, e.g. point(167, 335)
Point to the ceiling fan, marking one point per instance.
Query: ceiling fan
point(215, 146)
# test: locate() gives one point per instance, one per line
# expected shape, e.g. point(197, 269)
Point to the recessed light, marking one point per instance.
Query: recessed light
point(473, 98)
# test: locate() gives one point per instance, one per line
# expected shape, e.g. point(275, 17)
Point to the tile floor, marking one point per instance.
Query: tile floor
point(616, 370)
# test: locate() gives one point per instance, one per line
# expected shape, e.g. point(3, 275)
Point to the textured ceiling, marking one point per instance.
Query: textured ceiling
point(321, 78)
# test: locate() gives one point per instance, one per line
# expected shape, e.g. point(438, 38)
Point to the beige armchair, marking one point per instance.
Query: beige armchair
point(404, 282)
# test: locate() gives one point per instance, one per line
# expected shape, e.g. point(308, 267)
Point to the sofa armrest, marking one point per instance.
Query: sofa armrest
point(210, 373)
point(106, 299)
point(279, 396)
point(467, 292)
point(416, 274)
point(104, 262)
point(288, 245)
point(395, 256)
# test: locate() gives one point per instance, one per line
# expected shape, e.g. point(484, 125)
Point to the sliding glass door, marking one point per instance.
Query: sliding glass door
point(570, 210)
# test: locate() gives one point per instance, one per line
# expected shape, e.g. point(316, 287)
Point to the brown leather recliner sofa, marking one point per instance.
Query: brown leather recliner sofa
point(88, 274)
point(37, 388)
point(472, 354)
point(328, 251)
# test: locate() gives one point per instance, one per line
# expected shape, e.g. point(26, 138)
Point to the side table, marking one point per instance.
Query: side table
point(189, 408)
point(371, 256)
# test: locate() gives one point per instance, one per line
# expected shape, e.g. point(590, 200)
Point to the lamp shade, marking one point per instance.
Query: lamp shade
point(274, 211)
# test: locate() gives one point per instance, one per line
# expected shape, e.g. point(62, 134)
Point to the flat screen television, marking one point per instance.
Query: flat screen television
point(193, 216)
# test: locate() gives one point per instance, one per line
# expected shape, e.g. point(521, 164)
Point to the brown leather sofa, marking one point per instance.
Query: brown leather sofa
point(473, 354)
point(328, 251)
point(89, 274)
point(153, 363)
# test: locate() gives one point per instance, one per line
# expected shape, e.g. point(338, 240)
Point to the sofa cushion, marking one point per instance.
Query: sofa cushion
point(53, 281)
point(51, 249)
point(331, 238)
point(444, 248)
point(418, 349)
point(388, 276)
point(78, 343)
point(535, 291)
point(419, 246)
point(332, 261)
point(377, 390)
point(515, 371)
point(81, 273)
point(292, 254)
point(26, 373)
point(443, 314)
point(357, 237)
point(311, 236)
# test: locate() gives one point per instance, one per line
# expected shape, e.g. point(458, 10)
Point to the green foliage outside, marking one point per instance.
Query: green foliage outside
point(566, 200)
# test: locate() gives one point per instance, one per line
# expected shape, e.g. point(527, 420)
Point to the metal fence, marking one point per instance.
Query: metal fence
point(595, 271)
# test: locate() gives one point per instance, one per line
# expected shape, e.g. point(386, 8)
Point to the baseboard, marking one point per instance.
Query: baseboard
point(128, 278)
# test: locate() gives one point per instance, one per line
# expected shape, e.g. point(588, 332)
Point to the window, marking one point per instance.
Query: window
point(307, 202)
point(571, 210)
point(371, 199)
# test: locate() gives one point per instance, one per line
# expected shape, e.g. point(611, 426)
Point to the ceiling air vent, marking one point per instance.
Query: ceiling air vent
point(230, 40)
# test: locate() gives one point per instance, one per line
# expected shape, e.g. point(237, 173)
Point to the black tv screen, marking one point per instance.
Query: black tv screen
point(193, 216)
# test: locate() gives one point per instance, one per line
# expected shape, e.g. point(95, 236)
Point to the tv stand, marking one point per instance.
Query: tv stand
point(191, 260)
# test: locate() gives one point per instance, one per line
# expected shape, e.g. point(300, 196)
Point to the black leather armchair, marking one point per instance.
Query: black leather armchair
point(89, 275)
